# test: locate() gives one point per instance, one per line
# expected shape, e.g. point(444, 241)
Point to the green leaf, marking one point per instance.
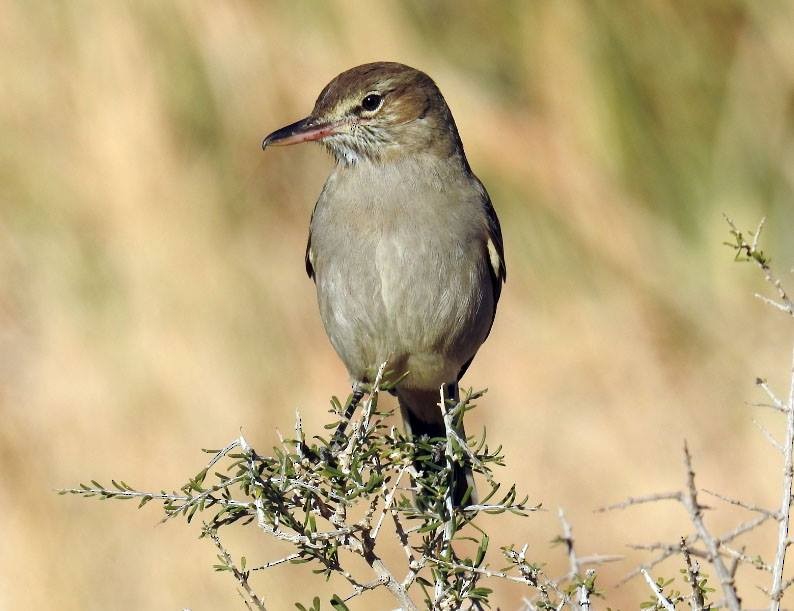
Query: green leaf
point(481, 549)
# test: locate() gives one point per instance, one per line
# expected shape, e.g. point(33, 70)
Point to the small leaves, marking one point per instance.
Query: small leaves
point(315, 605)
point(747, 251)
point(338, 604)
point(304, 491)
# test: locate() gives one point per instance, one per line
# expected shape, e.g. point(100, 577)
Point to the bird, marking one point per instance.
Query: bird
point(405, 247)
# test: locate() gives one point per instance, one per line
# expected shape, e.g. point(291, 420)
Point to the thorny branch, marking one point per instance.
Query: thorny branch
point(724, 559)
point(784, 513)
point(712, 544)
point(306, 493)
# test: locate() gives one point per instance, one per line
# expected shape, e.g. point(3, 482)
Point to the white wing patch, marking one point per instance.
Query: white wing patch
point(496, 260)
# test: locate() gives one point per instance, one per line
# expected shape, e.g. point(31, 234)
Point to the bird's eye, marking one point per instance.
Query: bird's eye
point(371, 102)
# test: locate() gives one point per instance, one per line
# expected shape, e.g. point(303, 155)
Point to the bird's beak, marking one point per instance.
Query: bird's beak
point(305, 130)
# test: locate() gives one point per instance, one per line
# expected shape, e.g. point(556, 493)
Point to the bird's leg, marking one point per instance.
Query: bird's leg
point(355, 398)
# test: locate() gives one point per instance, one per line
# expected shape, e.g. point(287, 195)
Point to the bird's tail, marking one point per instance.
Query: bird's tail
point(423, 418)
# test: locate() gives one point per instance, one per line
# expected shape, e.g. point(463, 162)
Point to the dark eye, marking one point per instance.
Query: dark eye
point(371, 101)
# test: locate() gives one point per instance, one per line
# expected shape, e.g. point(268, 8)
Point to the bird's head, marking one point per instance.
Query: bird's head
point(377, 112)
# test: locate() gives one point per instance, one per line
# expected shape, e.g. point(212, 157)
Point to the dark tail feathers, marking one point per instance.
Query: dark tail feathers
point(422, 417)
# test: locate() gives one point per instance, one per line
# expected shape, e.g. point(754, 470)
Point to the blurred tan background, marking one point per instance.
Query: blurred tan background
point(153, 298)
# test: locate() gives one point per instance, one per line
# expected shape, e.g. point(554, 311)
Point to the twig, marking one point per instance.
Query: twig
point(273, 563)
point(528, 604)
point(771, 406)
point(740, 556)
point(449, 525)
point(372, 400)
point(241, 576)
point(741, 529)
point(742, 504)
point(712, 545)
point(567, 539)
point(388, 502)
point(500, 507)
point(300, 438)
point(388, 580)
point(669, 548)
point(223, 452)
point(663, 600)
point(160, 496)
point(788, 584)
point(776, 591)
point(693, 571)
point(769, 437)
point(776, 402)
point(363, 587)
point(647, 566)
point(736, 562)
point(584, 597)
point(639, 500)
point(485, 572)
point(599, 559)
point(464, 446)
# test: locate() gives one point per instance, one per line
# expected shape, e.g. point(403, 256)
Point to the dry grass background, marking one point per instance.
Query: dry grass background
point(153, 298)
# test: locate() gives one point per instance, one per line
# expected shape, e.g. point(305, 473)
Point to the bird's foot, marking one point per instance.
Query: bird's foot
point(337, 441)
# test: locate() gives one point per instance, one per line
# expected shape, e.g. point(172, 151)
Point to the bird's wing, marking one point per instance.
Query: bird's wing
point(494, 251)
point(309, 257)
point(495, 247)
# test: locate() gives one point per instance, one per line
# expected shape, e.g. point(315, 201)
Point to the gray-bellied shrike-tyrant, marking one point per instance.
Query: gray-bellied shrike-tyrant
point(404, 245)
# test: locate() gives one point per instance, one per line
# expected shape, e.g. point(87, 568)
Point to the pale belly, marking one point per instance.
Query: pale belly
point(425, 306)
